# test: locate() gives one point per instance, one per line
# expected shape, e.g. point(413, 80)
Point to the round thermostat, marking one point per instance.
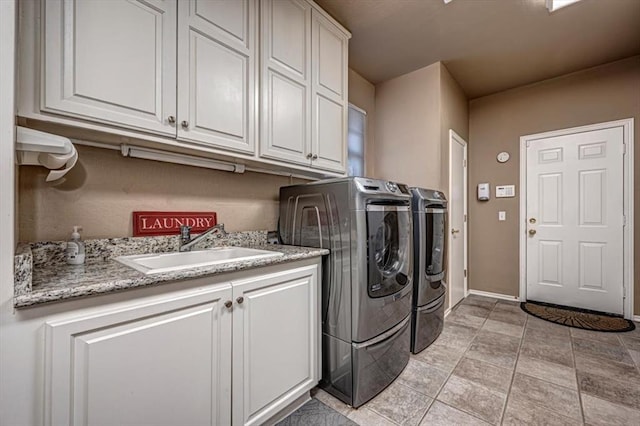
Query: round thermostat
point(503, 157)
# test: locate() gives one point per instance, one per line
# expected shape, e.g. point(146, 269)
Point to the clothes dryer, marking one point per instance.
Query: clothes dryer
point(429, 257)
point(367, 279)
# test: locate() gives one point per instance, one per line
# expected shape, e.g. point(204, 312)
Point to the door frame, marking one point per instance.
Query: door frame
point(453, 135)
point(628, 232)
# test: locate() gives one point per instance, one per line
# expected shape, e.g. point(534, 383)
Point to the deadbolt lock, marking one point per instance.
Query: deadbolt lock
point(532, 220)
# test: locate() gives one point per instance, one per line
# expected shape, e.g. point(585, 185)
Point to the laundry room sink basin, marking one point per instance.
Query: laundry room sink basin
point(169, 262)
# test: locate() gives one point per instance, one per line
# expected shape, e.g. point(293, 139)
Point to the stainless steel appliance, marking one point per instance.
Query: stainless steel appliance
point(366, 289)
point(429, 247)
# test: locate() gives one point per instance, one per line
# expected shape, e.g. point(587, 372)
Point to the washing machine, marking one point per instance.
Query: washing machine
point(429, 258)
point(367, 279)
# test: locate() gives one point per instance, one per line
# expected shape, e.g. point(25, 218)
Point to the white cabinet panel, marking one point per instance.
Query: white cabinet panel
point(216, 73)
point(275, 344)
point(331, 49)
point(122, 77)
point(330, 103)
point(328, 141)
point(286, 58)
point(288, 127)
point(164, 362)
point(289, 24)
point(228, 15)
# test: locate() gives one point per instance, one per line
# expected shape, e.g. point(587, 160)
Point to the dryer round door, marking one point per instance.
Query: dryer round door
point(388, 249)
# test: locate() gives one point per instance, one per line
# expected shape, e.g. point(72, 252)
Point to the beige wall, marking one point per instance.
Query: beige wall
point(104, 188)
point(363, 95)
point(454, 114)
point(407, 128)
point(414, 113)
point(496, 122)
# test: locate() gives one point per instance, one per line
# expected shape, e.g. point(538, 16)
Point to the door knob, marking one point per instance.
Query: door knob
point(228, 304)
point(185, 124)
point(532, 232)
point(171, 119)
point(454, 231)
point(240, 299)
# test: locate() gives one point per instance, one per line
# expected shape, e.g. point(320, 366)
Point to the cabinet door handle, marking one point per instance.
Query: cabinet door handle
point(228, 304)
point(315, 157)
point(309, 155)
point(240, 299)
point(171, 119)
point(185, 124)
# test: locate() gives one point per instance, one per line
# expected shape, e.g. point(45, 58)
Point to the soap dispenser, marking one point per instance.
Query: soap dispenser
point(75, 248)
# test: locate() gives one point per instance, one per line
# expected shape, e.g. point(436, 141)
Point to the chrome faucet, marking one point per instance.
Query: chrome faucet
point(186, 243)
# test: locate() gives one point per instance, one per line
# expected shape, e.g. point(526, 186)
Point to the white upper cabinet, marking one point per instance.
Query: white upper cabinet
point(258, 80)
point(112, 62)
point(304, 86)
point(217, 73)
point(286, 80)
point(330, 103)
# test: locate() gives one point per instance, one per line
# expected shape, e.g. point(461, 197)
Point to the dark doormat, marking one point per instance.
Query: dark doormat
point(578, 318)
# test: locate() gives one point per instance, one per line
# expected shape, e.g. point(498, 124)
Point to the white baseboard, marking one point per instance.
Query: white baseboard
point(447, 312)
point(636, 318)
point(494, 295)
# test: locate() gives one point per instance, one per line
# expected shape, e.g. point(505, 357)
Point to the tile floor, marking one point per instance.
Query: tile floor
point(494, 364)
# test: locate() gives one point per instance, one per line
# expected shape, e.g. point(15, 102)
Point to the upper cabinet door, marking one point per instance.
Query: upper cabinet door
point(286, 80)
point(330, 103)
point(111, 61)
point(217, 72)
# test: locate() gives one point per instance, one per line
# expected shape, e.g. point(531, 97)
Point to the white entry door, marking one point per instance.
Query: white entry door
point(575, 220)
point(457, 274)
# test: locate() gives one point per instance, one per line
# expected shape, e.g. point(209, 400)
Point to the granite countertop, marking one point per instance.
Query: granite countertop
point(42, 276)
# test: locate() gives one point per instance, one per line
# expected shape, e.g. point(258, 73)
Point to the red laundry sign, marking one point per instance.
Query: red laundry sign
point(169, 223)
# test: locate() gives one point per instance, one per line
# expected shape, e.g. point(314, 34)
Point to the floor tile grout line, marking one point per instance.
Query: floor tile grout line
point(408, 387)
point(513, 373)
point(475, 416)
point(577, 390)
point(575, 369)
point(454, 367)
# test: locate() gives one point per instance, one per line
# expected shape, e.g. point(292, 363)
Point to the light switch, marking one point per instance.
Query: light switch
point(502, 216)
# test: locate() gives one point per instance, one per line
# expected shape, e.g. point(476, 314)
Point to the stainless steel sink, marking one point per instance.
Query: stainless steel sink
point(169, 262)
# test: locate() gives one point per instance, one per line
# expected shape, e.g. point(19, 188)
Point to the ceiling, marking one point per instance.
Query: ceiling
point(487, 45)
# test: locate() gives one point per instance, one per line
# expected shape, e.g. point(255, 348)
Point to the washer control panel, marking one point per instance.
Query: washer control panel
point(391, 186)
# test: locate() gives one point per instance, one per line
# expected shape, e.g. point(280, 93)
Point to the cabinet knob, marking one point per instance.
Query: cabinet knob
point(228, 304)
point(171, 119)
point(315, 157)
point(309, 155)
point(240, 299)
point(185, 124)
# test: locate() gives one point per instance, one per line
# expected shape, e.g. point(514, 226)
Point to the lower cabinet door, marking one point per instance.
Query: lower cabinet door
point(275, 342)
point(164, 361)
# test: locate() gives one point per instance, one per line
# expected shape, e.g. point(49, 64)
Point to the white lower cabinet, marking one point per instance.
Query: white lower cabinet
point(275, 342)
point(174, 359)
